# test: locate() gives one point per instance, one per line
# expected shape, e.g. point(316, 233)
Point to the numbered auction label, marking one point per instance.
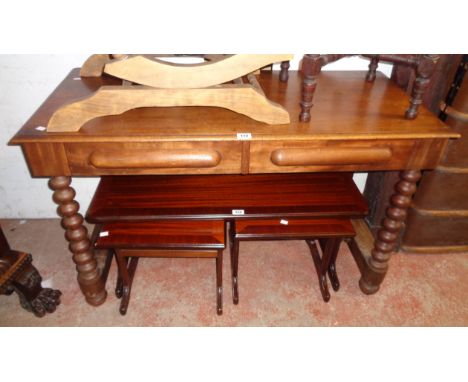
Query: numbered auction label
point(238, 212)
point(244, 136)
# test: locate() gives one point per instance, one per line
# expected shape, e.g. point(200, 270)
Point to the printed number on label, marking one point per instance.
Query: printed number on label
point(244, 136)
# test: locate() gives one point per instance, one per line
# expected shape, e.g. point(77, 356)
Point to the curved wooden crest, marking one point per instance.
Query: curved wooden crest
point(164, 75)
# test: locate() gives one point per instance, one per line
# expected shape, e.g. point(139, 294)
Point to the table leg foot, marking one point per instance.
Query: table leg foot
point(89, 277)
point(387, 236)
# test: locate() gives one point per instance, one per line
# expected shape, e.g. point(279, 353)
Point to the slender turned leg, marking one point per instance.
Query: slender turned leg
point(234, 264)
point(370, 77)
point(127, 275)
point(284, 74)
point(424, 72)
point(387, 236)
point(318, 267)
point(332, 274)
point(311, 67)
point(219, 283)
point(119, 284)
point(89, 278)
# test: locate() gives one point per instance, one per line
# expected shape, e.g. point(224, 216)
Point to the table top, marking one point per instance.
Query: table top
point(345, 107)
point(124, 198)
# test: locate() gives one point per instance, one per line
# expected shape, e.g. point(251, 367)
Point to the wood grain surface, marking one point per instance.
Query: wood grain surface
point(346, 108)
point(120, 198)
point(300, 229)
point(163, 235)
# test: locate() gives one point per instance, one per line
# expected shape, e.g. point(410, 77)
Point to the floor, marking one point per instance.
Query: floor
point(278, 287)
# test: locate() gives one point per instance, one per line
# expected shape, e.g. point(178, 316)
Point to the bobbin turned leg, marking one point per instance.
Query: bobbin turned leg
point(311, 67)
point(387, 236)
point(424, 70)
point(284, 74)
point(89, 278)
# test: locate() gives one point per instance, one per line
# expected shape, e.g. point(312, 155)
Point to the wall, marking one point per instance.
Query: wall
point(25, 82)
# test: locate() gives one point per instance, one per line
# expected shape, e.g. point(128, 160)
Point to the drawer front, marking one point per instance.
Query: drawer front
point(365, 155)
point(154, 158)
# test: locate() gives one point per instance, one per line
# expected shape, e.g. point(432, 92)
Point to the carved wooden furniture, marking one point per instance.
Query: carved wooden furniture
point(178, 239)
point(379, 185)
point(312, 65)
point(328, 231)
point(17, 274)
point(151, 82)
point(438, 217)
point(355, 127)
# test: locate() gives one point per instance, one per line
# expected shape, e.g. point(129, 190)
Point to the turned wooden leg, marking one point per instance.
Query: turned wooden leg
point(387, 236)
point(89, 278)
point(374, 63)
point(219, 283)
point(284, 74)
point(424, 72)
point(332, 274)
point(234, 265)
point(311, 67)
point(127, 275)
point(119, 284)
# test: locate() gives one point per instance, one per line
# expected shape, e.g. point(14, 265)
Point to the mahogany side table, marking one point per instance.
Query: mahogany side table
point(356, 126)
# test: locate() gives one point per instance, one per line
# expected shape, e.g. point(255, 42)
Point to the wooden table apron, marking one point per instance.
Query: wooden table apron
point(355, 126)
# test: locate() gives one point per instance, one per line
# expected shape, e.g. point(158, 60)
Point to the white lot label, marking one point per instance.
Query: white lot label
point(284, 222)
point(41, 128)
point(103, 233)
point(244, 136)
point(238, 212)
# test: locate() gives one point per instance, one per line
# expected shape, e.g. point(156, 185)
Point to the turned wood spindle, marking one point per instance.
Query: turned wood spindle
point(89, 277)
point(373, 65)
point(424, 70)
point(387, 236)
point(284, 74)
point(311, 67)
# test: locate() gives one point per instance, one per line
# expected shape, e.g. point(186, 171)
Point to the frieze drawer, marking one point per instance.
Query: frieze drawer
point(154, 158)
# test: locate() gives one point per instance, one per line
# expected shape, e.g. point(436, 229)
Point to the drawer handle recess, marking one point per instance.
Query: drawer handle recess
point(155, 159)
point(328, 156)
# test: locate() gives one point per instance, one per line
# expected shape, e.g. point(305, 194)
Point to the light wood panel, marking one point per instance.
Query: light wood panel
point(160, 74)
point(115, 100)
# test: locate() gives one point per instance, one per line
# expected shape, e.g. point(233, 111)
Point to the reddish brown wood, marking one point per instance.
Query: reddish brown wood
point(330, 231)
point(373, 65)
point(181, 238)
point(348, 113)
point(387, 236)
point(311, 67)
point(89, 277)
point(292, 229)
point(424, 71)
point(312, 64)
point(120, 198)
point(173, 234)
point(284, 74)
